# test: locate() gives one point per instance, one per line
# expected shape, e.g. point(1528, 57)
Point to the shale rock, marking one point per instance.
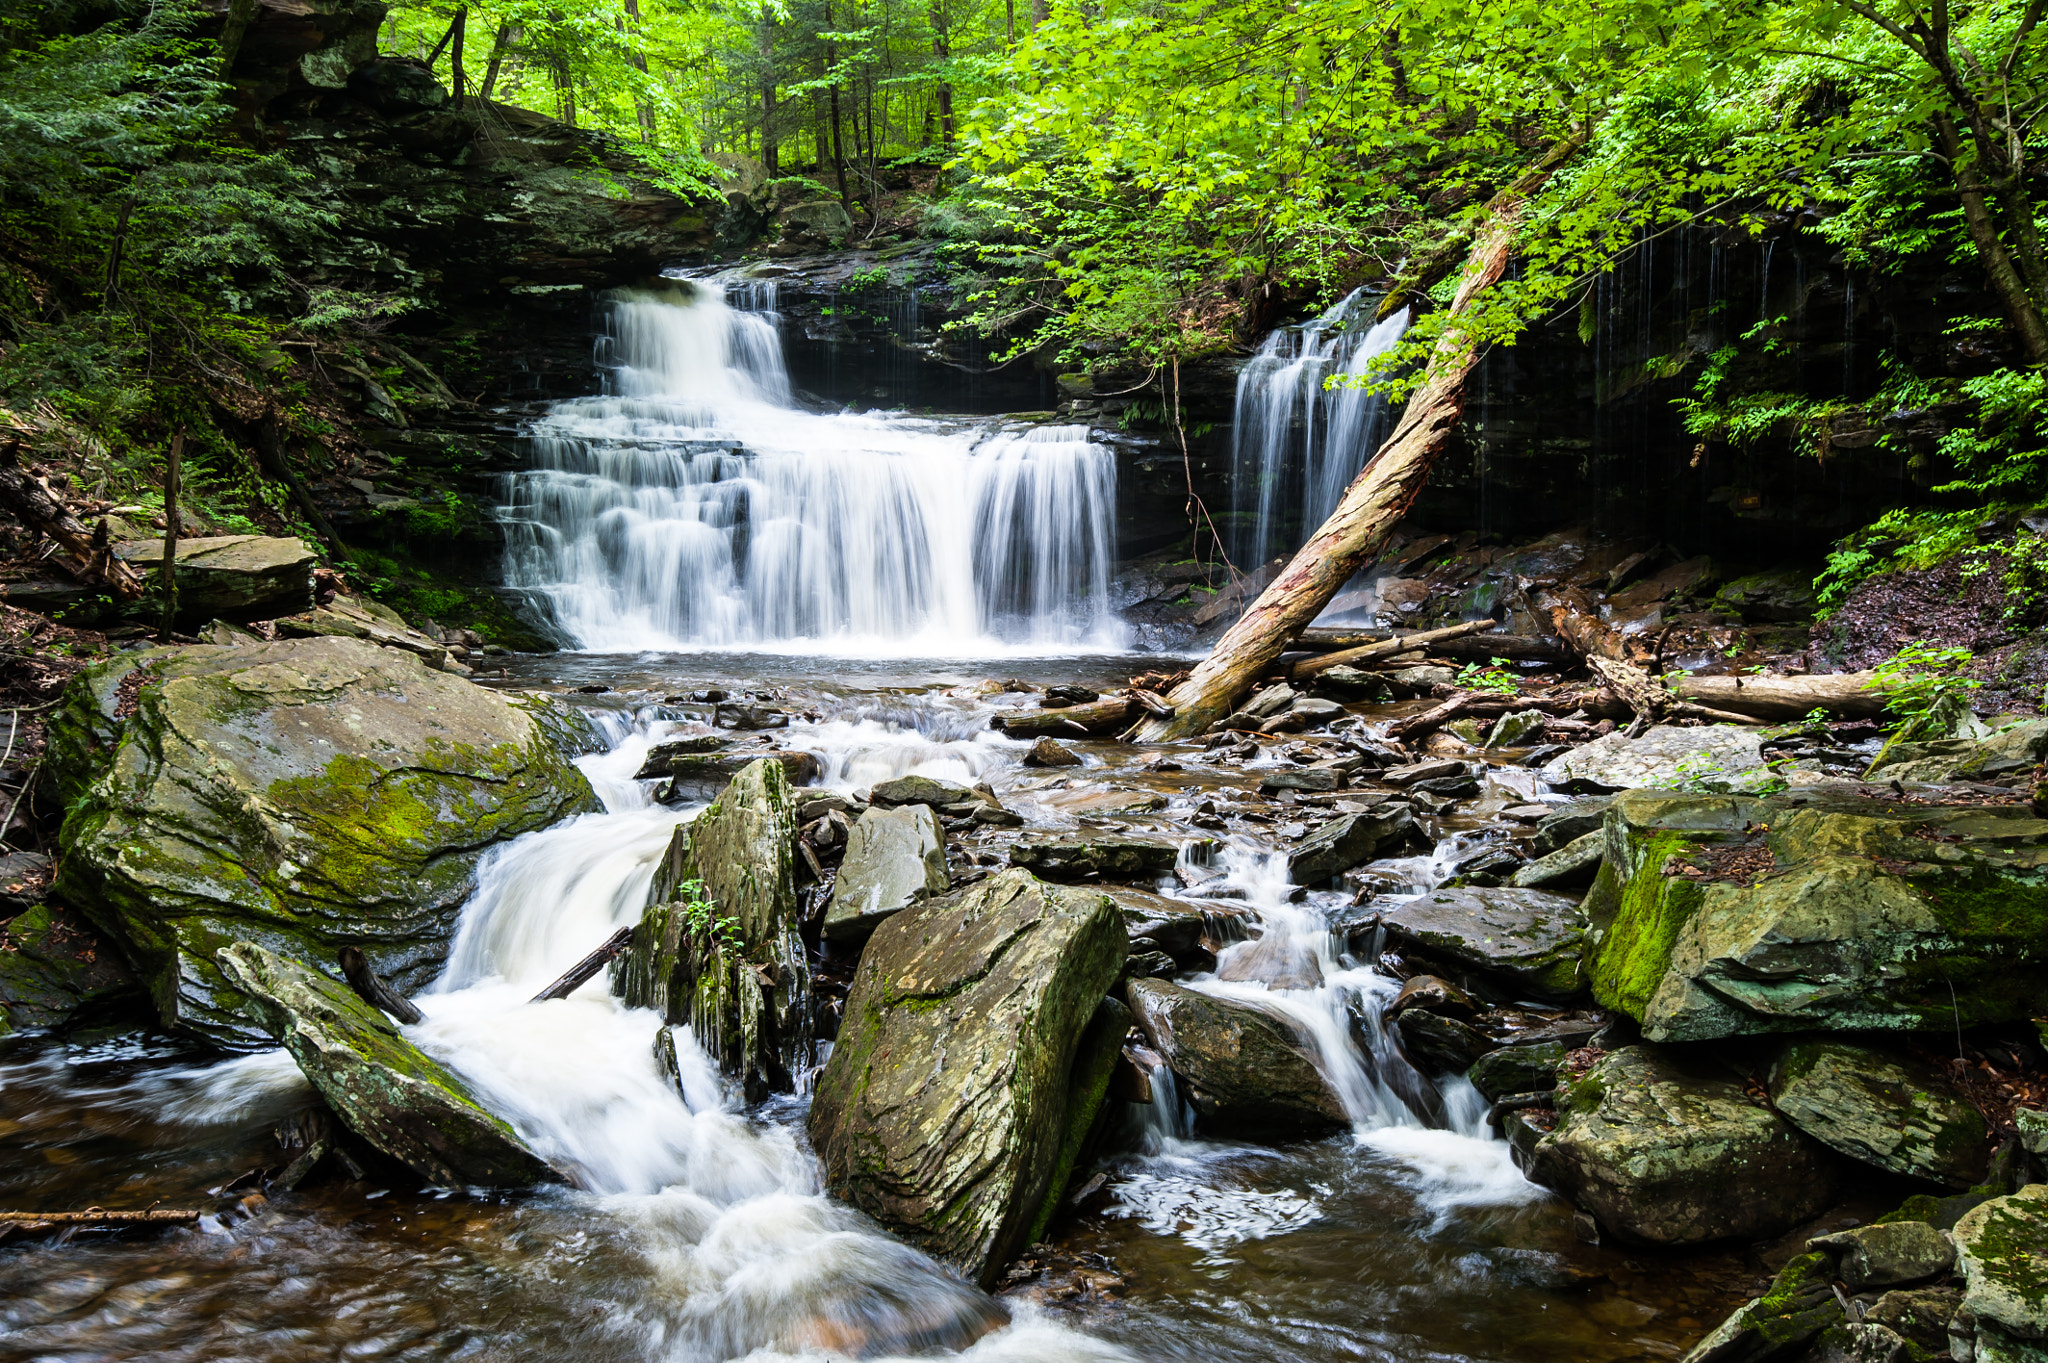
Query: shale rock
point(953, 1091)
point(1246, 1072)
point(53, 965)
point(1111, 856)
point(383, 1087)
point(1517, 1069)
point(894, 858)
point(1887, 1255)
point(1880, 1108)
point(1050, 752)
point(1526, 939)
point(1575, 862)
point(1818, 910)
point(1712, 757)
point(1920, 1314)
point(1799, 1304)
point(2002, 1248)
point(236, 577)
point(1156, 923)
point(348, 619)
point(1440, 1045)
point(304, 795)
point(1666, 1155)
point(718, 946)
point(2011, 751)
point(701, 776)
point(1346, 841)
point(1567, 823)
point(920, 790)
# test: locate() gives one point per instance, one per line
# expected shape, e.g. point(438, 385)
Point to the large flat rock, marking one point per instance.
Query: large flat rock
point(303, 795)
point(1710, 757)
point(1882, 1108)
point(954, 1093)
point(237, 576)
point(384, 1088)
point(1528, 940)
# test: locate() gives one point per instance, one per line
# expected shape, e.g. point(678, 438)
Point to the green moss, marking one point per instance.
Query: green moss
point(1636, 950)
point(1094, 1064)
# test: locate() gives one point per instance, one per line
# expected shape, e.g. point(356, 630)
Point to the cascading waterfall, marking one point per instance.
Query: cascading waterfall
point(695, 505)
point(1297, 444)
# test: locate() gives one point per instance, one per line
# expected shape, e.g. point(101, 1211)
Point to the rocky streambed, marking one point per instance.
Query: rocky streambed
point(1532, 1042)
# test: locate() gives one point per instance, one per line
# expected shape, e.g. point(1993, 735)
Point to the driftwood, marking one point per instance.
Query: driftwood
point(1651, 699)
point(1388, 648)
point(580, 972)
point(1483, 648)
point(371, 988)
point(90, 556)
point(1358, 530)
point(1575, 618)
point(1104, 716)
point(1783, 698)
point(100, 1216)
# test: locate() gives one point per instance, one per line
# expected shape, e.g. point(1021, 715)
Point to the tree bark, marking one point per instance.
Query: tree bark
point(371, 988)
point(2000, 269)
point(578, 974)
point(1382, 493)
point(1783, 698)
point(1388, 648)
point(508, 34)
point(39, 508)
point(1474, 648)
point(173, 476)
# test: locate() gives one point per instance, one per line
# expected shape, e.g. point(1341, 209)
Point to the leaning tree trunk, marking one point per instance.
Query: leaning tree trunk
point(1374, 503)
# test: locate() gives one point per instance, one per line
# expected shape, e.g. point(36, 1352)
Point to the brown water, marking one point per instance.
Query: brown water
point(710, 1240)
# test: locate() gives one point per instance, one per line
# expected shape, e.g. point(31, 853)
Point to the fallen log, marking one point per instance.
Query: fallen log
point(1388, 648)
point(1517, 648)
point(371, 988)
point(1107, 715)
point(1576, 619)
point(580, 972)
point(1358, 530)
point(89, 557)
point(1786, 698)
point(1651, 699)
point(100, 1216)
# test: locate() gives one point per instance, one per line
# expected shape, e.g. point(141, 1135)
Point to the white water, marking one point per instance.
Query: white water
point(696, 505)
point(1296, 444)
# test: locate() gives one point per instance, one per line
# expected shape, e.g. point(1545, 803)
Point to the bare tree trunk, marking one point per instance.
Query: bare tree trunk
point(458, 80)
point(508, 34)
point(1372, 505)
point(2000, 269)
point(173, 473)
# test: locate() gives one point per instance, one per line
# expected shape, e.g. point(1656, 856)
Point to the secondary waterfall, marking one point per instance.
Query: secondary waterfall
point(1297, 444)
point(696, 505)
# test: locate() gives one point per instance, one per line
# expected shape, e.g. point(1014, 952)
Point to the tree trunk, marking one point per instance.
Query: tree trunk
point(458, 80)
point(634, 55)
point(173, 471)
point(2000, 269)
point(1388, 648)
point(1783, 698)
point(241, 13)
point(1382, 493)
point(508, 34)
point(577, 975)
point(771, 153)
point(372, 989)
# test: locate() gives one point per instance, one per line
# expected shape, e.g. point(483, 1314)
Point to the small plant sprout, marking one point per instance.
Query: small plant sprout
point(1494, 677)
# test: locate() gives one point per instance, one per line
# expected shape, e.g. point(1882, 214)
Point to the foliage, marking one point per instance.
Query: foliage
point(1494, 677)
point(703, 917)
point(1923, 691)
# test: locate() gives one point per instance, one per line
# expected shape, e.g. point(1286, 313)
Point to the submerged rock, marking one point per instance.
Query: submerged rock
point(1665, 1155)
point(1527, 939)
point(894, 858)
point(717, 947)
point(960, 1084)
point(1113, 856)
point(1818, 910)
point(304, 795)
point(1246, 1072)
point(384, 1088)
point(1882, 1109)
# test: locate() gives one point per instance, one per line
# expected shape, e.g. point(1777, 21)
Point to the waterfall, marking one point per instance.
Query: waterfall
point(696, 505)
point(1296, 444)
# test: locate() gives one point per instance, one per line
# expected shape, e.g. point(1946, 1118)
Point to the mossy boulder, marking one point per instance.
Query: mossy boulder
point(1882, 1108)
point(718, 946)
point(2002, 1249)
point(955, 1091)
point(235, 577)
point(1818, 910)
point(2013, 750)
point(1529, 941)
point(53, 964)
point(384, 1088)
point(1246, 1072)
point(1887, 1255)
point(1798, 1305)
point(1667, 1154)
point(304, 795)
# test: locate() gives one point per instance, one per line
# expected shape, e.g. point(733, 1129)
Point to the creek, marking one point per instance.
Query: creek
point(851, 564)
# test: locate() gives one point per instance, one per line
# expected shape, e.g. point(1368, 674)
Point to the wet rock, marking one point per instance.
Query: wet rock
point(305, 794)
point(1069, 695)
point(1276, 960)
point(717, 947)
point(1301, 778)
point(1573, 864)
point(1270, 701)
point(1437, 995)
point(1154, 922)
point(1436, 1044)
point(1424, 771)
point(1517, 1069)
point(1050, 752)
point(383, 1087)
point(1799, 1304)
point(1421, 678)
point(1834, 912)
point(1881, 1108)
point(2002, 1249)
point(1859, 1342)
point(2011, 751)
point(700, 776)
point(1150, 965)
point(1246, 1072)
point(1111, 856)
point(1664, 1154)
point(1106, 803)
point(1888, 1255)
point(1781, 596)
point(54, 966)
point(1919, 1315)
point(1712, 757)
point(895, 858)
point(1313, 711)
point(920, 790)
point(1515, 730)
point(1528, 939)
point(1568, 823)
point(662, 757)
point(1349, 683)
point(961, 1080)
point(1346, 841)
point(237, 577)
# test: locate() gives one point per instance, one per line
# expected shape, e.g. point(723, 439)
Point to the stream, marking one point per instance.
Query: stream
point(868, 569)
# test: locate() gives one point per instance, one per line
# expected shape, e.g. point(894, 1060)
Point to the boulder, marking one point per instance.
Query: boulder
point(920, 790)
point(1529, 940)
point(1516, 730)
point(304, 795)
point(1245, 1071)
point(1113, 856)
point(1664, 1154)
point(1346, 841)
point(1302, 778)
point(349, 619)
point(718, 947)
point(1568, 823)
point(1436, 1044)
point(1517, 1069)
point(957, 1089)
point(1575, 862)
point(1881, 1108)
point(701, 776)
point(1887, 1255)
point(1156, 923)
point(237, 577)
point(384, 1088)
point(1919, 1314)
point(1799, 1304)
point(894, 858)
point(54, 965)
point(2002, 1249)
point(1818, 910)
point(1716, 757)
point(1350, 683)
point(821, 221)
point(1050, 752)
point(2012, 750)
